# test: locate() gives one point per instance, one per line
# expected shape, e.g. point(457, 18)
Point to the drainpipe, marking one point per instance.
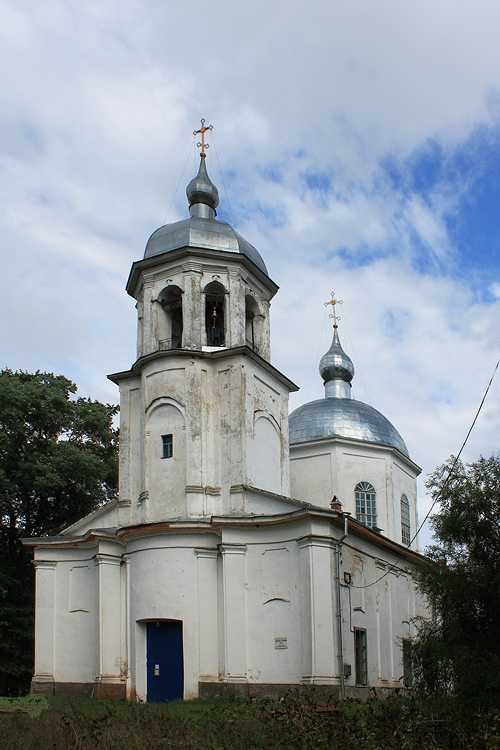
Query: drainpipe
point(340, 646)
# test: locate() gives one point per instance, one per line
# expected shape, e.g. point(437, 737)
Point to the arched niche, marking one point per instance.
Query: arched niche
point(253, 323)
point(267, 452)
point(170, 319)
point(166, 457)
point(215, 314)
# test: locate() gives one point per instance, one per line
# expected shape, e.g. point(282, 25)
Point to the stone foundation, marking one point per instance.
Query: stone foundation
point(117, 690)
point(275, 691)
point(98, 689)
point(108, 690)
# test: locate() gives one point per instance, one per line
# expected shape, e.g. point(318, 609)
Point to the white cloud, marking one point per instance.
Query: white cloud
point(495, 289)
point(96, 116)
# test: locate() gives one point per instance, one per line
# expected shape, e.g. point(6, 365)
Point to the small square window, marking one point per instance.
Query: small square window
point(168, 446)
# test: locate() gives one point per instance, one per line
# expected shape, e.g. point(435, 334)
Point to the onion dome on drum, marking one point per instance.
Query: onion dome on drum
point(336, 369)
point(202, 229)
point(202, 194)
point(337, 415)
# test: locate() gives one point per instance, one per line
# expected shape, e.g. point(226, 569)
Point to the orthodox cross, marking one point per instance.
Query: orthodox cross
point(203, 130)
point(333, 314)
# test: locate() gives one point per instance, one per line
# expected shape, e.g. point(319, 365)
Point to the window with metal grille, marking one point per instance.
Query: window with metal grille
point(405, 520)
point(366, 504)
point(168, 446)
point(360, 660)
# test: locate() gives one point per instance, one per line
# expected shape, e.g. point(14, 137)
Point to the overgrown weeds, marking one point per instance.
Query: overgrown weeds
point(398, 723)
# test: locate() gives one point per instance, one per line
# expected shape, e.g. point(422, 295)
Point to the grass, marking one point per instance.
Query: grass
point(31, 705)
point(234, 724)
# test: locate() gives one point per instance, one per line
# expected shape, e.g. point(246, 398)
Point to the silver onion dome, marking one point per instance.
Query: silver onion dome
point(335, 364)
point(337, 415)
point(202, 194)
point(202, 229)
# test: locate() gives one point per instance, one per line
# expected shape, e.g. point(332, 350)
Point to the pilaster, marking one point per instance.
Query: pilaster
point(43, 678)
point(127, 633)
point(124, 488)
point(193, 308)
point(265, 342)
point(208, 614)
point(318, 608)
point(148, 332)
point(236, 311)
point(111, 680)
point(140, 328)
point(234, 606)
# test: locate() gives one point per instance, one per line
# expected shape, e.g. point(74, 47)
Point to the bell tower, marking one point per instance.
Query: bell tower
point(201, 286)
point(204, 415)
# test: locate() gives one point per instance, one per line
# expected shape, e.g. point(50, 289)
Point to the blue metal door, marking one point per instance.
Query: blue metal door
point(165, 662)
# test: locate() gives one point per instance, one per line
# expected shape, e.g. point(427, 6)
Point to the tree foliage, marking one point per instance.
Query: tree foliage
point(458, 649)
point(58, 462)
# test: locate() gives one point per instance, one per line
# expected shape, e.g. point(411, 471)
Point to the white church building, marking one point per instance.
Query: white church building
point(250, 552)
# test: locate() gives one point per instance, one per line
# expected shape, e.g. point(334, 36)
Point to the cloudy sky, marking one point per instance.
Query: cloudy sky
point(357, 146)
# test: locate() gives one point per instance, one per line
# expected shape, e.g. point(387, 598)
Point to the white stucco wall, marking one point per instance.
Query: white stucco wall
point(229, 419)
point(321, 469)
point(210, 536)
point(237, 279)
point(235, 590)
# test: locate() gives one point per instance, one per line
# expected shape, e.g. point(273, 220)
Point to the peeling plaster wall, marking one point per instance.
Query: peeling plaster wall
point(192, 276)
point(322, 469)
point(385, 610)
point(256, 597)
point(229, 421)
point(164, 585)
point(257, 604)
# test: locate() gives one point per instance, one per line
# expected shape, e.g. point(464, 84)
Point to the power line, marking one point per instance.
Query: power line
point(180, 178)
point(394, 565)
point(323, 330)
point(223, 183)
point(359, 371)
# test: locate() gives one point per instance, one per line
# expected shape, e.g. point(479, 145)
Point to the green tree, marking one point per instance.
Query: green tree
point(457, 650)
point(58, 462)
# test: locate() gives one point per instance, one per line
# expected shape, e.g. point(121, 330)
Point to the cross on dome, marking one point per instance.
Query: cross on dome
point(333, 314)
point(202, 194)
point(335, 366)
point(203, 130)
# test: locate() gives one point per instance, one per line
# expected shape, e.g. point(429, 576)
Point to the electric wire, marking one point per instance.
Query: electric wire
point(450, 471)
point(359, 371)
point(394, 565)
point(233, 221)
point(323, 330)
point(180, 179)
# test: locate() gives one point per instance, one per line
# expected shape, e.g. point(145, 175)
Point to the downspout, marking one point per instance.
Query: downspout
point(340, 645)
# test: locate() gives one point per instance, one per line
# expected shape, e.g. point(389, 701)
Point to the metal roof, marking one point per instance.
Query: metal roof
point(343, 418)
point(203, 233)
